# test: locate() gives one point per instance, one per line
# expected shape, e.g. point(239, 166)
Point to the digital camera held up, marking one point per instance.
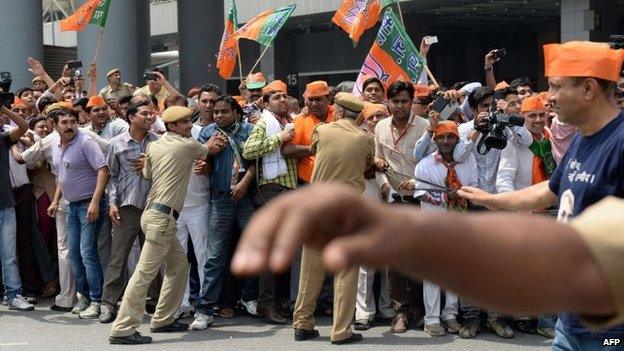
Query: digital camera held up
point(6, 98)
point(495, 137)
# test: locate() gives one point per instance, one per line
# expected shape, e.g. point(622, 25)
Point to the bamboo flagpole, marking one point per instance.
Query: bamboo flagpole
point(260, 58)
point(240, 62)
point(425, 66)
point(98, 46)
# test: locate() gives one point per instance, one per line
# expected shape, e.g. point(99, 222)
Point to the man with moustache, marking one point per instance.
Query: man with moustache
point(168, 165)
point(116, 89)
point(82, 177)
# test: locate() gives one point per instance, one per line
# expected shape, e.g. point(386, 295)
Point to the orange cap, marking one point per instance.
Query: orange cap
point(96, 101)
point(316, 89)
point(255, 81)
point(421, 90)
point(500, 86)
point(18, 103)
point(446, 127)
point(371, 109)
point(532, 103)
point(583, 59)
point(544, 95)
point(274, 86)
point(241, 100)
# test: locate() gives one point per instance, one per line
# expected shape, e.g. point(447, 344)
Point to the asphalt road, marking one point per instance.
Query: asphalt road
point(45, 330)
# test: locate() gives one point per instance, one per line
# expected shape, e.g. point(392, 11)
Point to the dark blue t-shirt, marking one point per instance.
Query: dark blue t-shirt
point(591, 170)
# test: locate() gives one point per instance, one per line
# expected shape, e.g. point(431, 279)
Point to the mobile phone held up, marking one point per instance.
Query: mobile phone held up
point(500, 53)
point(149, 75)
point(74, 64)
point(431, 40)
point(445, 107)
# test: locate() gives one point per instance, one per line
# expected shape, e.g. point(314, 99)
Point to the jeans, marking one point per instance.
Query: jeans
point(8, 248)
point(83, 249)
point(566, 342)
point(225, 214)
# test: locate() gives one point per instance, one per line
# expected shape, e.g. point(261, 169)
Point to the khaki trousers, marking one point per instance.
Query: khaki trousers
point(310, 284)
point(161, 246)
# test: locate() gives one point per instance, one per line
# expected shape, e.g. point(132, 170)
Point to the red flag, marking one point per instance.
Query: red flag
point(79, 20)
point(356, 16)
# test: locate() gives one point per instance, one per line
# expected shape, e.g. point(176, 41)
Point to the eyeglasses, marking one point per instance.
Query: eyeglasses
point(525, 91)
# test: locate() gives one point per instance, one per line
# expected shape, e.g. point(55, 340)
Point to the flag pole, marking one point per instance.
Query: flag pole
point(260, 58)
point(98, 46)
point(425, 66)
point(240, 61)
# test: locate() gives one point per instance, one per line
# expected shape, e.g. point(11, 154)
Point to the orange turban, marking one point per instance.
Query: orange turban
point(421, 90)
point(241, 100)
point(583, 59)
point(96, 101)
point(532, 103)
point(255, 81)
point(372, 109)
point(446, 127)
point(543, 96)
point(316, 89)
point(275, 86)
point(18, 103)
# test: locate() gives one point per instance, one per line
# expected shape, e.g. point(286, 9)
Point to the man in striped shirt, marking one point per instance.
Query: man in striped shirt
point(127, 196)
point(277, 174)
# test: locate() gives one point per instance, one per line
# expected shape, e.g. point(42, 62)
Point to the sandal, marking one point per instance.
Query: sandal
point(226, 312)
point(361, 324)
point(50, 289)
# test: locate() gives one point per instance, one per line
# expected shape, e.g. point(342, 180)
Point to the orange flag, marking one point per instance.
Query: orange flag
point(228, 51)
point(79, 20)
point(356, 16)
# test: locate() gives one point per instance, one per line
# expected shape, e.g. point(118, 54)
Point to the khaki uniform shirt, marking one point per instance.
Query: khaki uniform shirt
point(398, 149)
point(124, 89)
point(343, 152)
point(601, 227)
point(160, 96)
point(168, 165)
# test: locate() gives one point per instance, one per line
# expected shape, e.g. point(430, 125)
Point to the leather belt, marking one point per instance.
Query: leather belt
point(164, 209)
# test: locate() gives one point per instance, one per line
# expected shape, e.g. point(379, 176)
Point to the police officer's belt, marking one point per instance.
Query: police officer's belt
point(164, 209)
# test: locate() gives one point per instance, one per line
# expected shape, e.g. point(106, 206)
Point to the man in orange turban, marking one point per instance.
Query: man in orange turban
point(582, 78)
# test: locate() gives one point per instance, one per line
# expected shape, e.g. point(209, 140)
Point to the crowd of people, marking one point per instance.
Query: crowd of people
point(132, 199)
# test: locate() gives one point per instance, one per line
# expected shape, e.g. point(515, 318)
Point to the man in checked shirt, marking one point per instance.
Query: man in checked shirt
point(127, 196)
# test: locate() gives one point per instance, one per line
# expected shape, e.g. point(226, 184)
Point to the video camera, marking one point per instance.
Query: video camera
point(616, 42)
point(6, 98)
point(494, 137)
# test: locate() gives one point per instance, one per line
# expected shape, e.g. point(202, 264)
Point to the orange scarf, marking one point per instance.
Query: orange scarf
point(452, 182)
point(540, 172)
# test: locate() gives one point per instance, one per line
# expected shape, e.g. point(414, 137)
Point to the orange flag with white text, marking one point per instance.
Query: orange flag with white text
point(79, 20)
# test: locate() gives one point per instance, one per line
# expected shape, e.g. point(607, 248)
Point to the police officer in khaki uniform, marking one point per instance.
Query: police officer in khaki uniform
point(168, 164)
point(116, 89)
point(343, 152)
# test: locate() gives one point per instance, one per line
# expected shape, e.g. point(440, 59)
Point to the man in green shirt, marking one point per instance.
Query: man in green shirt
point(277, 174)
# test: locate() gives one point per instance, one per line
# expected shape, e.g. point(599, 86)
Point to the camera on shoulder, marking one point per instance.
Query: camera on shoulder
point(495, 137)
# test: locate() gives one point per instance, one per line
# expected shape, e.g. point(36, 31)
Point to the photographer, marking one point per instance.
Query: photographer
point(471, 133)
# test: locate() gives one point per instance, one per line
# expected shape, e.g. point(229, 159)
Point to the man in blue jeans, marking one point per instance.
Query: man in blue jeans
point(82, 177)
point(230, 204)
point(8, 224)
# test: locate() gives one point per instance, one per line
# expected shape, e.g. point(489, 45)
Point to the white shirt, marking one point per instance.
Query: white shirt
point(435, 172)
point(198, 190)
point(112, 129)
point(18, 173)
point(515, 170)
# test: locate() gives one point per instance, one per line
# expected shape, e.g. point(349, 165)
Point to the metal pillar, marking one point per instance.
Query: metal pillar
point(200, 25)
point(22, 37)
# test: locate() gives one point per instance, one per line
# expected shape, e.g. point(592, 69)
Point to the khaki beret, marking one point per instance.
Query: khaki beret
point(349, 101)
point(58, 106)
point(37, 79)
point(176, 113)
point(112, 71)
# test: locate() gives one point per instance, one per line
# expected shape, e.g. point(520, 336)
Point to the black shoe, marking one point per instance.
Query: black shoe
point(58, 308)
point(150, 308)
point(134, 339)
point(352, 339)
point(174, 327)
point(302, 334)
point(363, 324)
